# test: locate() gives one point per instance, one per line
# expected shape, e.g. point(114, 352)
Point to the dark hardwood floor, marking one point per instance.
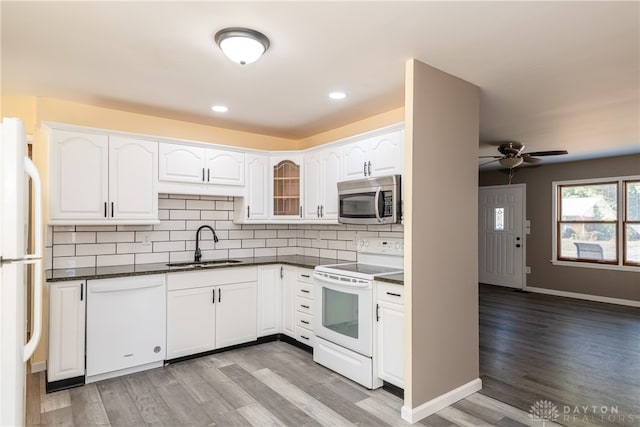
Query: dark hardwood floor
point(582, 356)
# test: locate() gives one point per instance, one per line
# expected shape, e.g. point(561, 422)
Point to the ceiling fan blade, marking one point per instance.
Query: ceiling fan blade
point(532, 160)
point(489, 162)
point(489, 157)
point(546, 153)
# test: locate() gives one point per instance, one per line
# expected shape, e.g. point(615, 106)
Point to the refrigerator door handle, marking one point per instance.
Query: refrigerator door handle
point(31, 170)
point(36, 259)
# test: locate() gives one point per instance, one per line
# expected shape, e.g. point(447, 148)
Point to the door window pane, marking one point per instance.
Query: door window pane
point(340, 312)
point(498, 219)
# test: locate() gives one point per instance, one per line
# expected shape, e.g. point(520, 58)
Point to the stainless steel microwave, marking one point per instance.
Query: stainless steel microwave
point(370, 201)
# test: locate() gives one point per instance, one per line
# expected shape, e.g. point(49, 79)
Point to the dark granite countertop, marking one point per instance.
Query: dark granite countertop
point(397, 278)
point(60, 275)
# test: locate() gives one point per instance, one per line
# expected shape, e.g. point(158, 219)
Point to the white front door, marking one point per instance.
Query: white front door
point(501, 235)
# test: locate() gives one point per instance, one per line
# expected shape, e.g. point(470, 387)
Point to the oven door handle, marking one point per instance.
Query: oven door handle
point(377, 204)
point(334, 280)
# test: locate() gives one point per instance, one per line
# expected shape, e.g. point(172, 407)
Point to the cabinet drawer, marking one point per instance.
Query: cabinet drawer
point(304, 290)
point(211, 277)
point(390, 293)
point(304, 320)
point(305, 336)
point(305, 275)
point(304, 305)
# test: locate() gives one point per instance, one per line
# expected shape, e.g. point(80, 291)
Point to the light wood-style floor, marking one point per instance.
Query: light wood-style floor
point(272, 384)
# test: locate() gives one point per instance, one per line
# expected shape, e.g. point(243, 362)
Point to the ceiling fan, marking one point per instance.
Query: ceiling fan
point(512, 155)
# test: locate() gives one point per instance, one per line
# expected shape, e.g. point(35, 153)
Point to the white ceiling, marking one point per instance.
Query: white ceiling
point(553, 75)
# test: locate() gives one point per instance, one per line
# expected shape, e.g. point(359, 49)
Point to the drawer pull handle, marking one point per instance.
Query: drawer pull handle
point(306, 338)
point(306, 322)
point(304, 306)
point(306, 291)
point(393, 294)
point(305, 275)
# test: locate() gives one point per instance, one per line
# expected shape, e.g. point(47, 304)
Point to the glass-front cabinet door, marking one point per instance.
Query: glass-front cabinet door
point(286, 177)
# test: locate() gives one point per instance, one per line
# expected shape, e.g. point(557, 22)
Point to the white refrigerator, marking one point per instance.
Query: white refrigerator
point(15, 169)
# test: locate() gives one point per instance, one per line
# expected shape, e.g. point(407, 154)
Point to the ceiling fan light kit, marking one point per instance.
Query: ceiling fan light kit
point(510, 162)
point(242, 45)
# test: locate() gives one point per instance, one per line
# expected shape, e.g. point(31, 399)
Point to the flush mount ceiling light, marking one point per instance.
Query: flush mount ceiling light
point(510, 162)
point(242, 45)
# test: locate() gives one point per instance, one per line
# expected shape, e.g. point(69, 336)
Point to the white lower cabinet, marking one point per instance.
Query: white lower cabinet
point(390, 329)
point(269, 300)
point(210, 309)
point(67, 305)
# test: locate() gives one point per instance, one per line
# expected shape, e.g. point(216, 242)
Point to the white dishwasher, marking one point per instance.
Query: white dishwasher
point(126, 325)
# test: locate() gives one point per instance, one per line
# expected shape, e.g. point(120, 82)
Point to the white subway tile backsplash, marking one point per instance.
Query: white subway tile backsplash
point(174, 238)
point(73, 237)
point(115, 237)
point(203, 205)
point(74, 262)
point(96, 249)
point(184, 196)
point(170, 225)
point(172, 204)
point(168, 246)
point(65, 250)
point(152, 258)
point(109, 260)
point(184, 214)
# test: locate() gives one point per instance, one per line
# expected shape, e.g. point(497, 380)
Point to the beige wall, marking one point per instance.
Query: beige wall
point(441, 250)
point(606, 283)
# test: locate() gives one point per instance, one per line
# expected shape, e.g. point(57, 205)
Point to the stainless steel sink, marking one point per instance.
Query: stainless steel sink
point(202, 264)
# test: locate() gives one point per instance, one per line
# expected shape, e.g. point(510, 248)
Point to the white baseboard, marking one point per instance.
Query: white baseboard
point(38, 366)
point(596, 298)
point(434, 405)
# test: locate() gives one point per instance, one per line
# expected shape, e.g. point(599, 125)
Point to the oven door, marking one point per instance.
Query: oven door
point(343, 311)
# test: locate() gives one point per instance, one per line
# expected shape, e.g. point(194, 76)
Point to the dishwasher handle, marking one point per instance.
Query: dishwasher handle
point(124, 287)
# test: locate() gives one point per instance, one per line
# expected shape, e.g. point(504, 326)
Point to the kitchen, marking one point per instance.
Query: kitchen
point(434, 105)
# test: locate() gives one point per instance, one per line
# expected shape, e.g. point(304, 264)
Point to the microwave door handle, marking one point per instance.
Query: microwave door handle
point(377, 204)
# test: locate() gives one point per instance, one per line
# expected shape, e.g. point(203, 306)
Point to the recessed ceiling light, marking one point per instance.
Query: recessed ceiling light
point(220, 108)
point(337, 95)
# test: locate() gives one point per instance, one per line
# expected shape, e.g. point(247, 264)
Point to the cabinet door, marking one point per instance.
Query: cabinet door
point(181, 163)
point(355, 159)
point(236, 314)
point(288, 301)
point(132, 179)
point(224, 167)
point(331, 174)
point(286, 178)
point(387, 154)
point(79, 175)
point(257, 192)
point(191, 321)
point(312, 184)
point(66, 330)
point(269, 300)
point(391, 343)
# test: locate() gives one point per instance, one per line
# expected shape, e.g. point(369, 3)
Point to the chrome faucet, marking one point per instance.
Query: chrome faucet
point(198, 254)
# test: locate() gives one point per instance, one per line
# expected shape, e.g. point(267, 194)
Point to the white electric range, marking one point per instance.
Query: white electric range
point(344, 319)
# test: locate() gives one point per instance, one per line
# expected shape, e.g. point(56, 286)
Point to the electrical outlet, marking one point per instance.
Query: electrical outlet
point(146, 239)
point(528, 270)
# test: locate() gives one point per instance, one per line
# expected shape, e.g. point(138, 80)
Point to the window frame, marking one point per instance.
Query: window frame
point(620, 223)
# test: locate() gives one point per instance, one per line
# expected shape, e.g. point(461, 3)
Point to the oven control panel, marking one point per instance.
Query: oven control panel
point(382, 246)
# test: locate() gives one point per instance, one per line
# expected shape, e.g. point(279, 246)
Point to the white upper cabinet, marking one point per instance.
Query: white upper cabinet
point(181, 163)
point(286, 179)
point(224, 167)
point(374, 156)
point(189, 164)
point(132, 178)
point(254, 206)
point(322, 169)
point(97, 179)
